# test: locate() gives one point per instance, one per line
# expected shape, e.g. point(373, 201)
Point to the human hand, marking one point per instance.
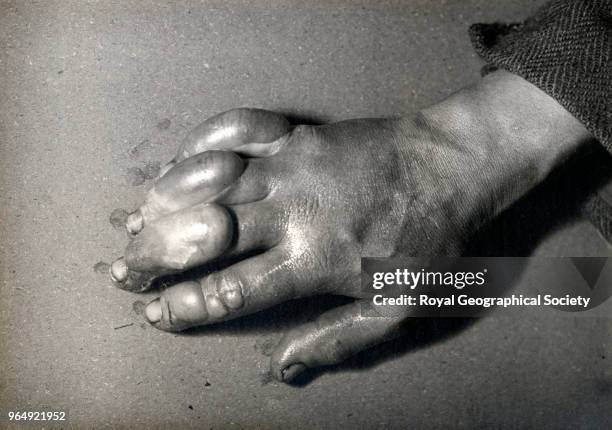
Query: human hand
point(311, 201)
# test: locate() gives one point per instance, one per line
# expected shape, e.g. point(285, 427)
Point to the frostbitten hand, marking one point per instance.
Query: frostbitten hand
point(309, 202)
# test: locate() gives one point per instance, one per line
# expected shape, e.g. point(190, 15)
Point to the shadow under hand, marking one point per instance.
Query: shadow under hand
point(562, 197)
point(304, 118)
point(416, 334)
point(276, 319)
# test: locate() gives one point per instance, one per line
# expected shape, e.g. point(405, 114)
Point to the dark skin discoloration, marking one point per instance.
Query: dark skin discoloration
point(139, 149)
point(266, 378)
point(138, 307)
point(134, 176)
point(151, 170)
point(117, 218)
point(101, 267)
point(164, 124)
point(266, 345)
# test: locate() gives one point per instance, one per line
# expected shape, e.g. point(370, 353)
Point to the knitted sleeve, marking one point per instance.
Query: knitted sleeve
point(566, 50)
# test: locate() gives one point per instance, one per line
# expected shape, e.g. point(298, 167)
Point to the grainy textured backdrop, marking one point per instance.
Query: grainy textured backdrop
point(95, 95)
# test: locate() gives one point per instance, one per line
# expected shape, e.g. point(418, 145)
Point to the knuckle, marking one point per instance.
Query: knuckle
point(229, 287)
point(229, 284)
point(303, 133)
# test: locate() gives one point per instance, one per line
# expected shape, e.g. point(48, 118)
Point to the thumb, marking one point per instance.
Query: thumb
point(332, 338)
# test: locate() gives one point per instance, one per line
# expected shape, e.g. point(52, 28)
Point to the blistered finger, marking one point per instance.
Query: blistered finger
point(198, 179)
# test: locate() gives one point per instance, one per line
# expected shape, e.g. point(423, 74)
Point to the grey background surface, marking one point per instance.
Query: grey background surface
point(95, 95)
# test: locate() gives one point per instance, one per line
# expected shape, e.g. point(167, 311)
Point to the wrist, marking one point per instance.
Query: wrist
point(491, 143)
point(507, 116)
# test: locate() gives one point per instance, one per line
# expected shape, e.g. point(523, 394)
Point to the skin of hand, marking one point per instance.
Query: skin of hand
point(306, 203)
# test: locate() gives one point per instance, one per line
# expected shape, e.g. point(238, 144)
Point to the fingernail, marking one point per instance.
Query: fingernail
point(119, 270)
point(153, 312)
point(135, 222)
point(290, 372)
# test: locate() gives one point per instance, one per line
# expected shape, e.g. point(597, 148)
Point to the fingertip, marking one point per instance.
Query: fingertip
point(153, 312)
point(290, 372)
point(285, 364)
point(283, 357)
point(135, 222)
point(129, 280)
point(119, 270)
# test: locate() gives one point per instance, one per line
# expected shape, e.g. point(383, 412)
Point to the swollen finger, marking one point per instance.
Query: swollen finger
point(198, 179)
point(249, 131)
point(174, 243)
point(181, 240)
